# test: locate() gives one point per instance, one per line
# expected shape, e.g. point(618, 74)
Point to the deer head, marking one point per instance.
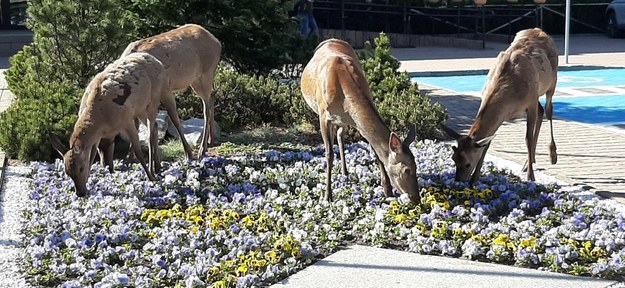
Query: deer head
point(401, 166)
point(468, 155)
point(77, 161)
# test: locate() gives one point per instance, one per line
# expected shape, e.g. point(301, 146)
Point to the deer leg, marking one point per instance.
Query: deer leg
point(106, 149)
point(203, 87)
point(153, 146)
point(133, 136)
point(130, 156)
point(326, 134)
point(532, 113)
point(553, 154)
point(339, 138)
point(170, 105)
point(385, 181)
point(478, 168)
point(94, 151)
point(538, 124)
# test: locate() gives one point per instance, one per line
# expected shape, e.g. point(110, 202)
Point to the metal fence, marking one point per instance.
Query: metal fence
point(449, 19)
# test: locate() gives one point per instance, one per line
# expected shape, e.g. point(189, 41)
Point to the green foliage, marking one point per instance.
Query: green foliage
point(299, 112)
point(26, 124)
point(78, 38)
point(257, 36)
point(240, 100)
point(73, 40)
point(396, 97)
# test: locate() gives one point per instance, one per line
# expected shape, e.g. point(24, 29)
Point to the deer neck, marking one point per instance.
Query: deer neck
point(487, 121)
point(372, 128)
point(83, 135)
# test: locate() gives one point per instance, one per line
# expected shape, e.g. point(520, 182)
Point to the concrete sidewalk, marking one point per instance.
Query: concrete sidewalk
point(363, 267)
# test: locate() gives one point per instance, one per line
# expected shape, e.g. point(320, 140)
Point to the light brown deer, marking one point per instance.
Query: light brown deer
point(335, 87)
point(105, 147)
point(522, 73)
point(128, 89)
point(190, 55)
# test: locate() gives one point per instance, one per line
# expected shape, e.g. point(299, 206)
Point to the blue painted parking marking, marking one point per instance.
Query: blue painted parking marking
point(593, 96)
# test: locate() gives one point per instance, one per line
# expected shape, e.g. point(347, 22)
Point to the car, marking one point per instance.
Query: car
point(615, 19)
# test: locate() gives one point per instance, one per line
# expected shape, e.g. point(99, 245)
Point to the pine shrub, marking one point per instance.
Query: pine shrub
point(396, 97)
point(73, 40)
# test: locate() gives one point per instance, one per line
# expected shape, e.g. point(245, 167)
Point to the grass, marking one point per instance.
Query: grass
point(251, 140)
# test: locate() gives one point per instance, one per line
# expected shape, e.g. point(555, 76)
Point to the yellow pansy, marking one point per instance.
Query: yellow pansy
point(220, 284)
point(296, 252)
point(502, 239)
point(242, 269)
point(270, 256)
point(596, 252)
point(528, 242)
point(400, 218)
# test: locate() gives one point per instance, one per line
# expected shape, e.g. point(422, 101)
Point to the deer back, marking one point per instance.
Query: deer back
point(186, 53)
point(537, 57)
point(522, 73)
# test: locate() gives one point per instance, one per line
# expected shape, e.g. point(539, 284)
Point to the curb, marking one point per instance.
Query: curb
point(3, 164)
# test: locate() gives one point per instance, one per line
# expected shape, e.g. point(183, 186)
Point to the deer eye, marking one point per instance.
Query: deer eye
point(82, 169)
point(467, 165)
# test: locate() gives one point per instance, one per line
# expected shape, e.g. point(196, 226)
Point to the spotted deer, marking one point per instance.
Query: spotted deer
point(334, 86)
point(523, 72)
point(190, 55)
point(130, 88)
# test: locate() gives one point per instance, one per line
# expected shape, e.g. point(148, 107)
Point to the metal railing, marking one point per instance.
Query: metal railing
point(483, 20)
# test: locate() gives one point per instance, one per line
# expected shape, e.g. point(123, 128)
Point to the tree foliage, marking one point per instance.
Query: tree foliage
point(257, 35)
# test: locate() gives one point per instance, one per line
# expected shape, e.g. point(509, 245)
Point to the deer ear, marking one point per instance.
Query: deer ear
point(484, 141)
point(451, 132)
point(412, 135)
point(394, 143)
point(58, 144)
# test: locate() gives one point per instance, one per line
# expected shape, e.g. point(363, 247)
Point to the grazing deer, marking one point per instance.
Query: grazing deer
point(126, 90)
point(190, 55)
point(335, 87)
point(105, 147)
point(523, 72)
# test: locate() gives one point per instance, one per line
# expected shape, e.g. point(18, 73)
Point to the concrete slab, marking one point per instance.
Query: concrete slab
point(362, 267)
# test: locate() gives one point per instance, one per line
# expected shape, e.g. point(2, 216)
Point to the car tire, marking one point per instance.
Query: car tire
point(611, 27)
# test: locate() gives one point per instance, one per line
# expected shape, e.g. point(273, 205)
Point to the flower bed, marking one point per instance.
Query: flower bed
point(254, 219)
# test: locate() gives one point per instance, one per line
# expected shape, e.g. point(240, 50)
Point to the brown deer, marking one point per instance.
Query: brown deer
point(126, 90)
point(522, 73)
point(335, 87)
point(190, 55)
point(105, 147)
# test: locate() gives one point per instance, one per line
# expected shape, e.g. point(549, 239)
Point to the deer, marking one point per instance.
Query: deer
point(334, 86)
point(190, 55)
point(126, 90)
point(524, 72)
